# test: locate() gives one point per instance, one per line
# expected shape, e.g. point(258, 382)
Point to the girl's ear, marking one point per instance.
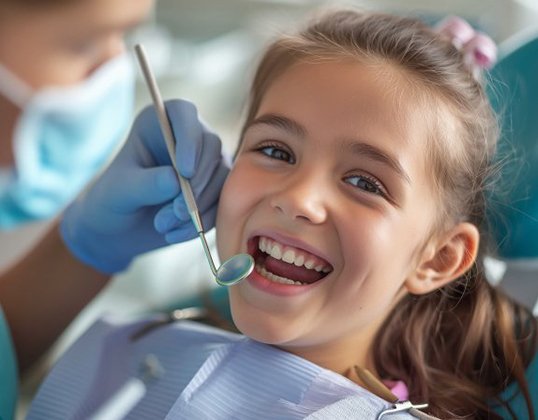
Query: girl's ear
point(445, 260)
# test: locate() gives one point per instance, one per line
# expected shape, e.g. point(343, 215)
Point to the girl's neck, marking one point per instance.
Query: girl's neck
point(339, 356)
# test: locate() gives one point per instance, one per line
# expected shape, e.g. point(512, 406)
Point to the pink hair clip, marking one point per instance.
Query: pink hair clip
point(479, 50)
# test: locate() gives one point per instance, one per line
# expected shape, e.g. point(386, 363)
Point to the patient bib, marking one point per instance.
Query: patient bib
point(190, 371)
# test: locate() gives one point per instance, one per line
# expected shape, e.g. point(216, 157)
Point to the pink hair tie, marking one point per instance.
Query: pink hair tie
point(398, 388)
point(457, 29)
point(479, 50)
point(482, 50)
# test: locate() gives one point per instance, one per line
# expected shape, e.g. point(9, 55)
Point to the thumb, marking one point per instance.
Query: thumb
point(188, 133)
point(147, 187)
point(187, 230)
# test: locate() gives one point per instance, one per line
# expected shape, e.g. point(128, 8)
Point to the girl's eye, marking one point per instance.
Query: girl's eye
point(275, 152)
point(367, 184)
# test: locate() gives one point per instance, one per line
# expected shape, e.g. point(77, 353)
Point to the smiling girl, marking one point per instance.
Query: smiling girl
point(358, 187)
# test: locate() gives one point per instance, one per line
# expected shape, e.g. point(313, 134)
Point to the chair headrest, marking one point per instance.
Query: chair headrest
point(513, 92)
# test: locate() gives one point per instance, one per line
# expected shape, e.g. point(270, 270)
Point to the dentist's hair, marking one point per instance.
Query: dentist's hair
point(35, 4)
point(456, 348)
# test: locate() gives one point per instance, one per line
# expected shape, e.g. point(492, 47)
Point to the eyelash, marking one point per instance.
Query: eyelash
point(378, 188)
point(289, 158)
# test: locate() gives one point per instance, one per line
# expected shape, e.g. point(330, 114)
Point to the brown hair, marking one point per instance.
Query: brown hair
point(459, 347)
point(35, 4)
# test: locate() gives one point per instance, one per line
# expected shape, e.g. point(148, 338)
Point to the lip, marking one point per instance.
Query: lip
point(287, 240)
point(259, 282)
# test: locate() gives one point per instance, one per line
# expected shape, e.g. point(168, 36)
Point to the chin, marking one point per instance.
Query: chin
point(264, 330)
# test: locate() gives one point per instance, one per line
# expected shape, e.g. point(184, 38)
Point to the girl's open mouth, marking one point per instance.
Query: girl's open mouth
point(286, 264)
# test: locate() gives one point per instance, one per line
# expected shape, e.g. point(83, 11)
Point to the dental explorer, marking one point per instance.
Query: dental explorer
point(239, 266)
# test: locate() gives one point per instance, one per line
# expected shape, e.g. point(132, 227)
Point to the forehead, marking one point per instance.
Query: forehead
point(38, 24)
point(380, 97)
point(352, 100)
point(107, 14)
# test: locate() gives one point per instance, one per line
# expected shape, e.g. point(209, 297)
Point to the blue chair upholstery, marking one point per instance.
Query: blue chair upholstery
point(513, 92)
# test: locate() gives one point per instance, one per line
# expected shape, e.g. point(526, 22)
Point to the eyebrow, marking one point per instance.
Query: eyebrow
point(372, 152)
point(354, 146)
point(281, 122)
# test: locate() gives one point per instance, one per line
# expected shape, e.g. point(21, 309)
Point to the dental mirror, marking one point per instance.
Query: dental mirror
point(234, 269)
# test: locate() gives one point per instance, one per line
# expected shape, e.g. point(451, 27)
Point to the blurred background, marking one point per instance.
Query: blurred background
point(205, 51)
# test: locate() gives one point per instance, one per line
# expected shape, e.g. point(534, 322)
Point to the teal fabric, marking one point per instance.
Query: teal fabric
point(216, 298)
point(515, 398)
point(8, 372)
point(513, 92)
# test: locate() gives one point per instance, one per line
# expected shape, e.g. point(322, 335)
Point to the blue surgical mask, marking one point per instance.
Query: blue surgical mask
point(64, 135)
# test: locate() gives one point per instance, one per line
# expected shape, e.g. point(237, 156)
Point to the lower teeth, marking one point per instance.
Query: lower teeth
point(277, 279)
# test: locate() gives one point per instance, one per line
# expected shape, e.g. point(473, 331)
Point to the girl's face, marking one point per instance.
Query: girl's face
point(330, 194)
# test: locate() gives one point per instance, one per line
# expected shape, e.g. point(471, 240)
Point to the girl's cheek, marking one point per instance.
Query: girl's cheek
point(235, 194)
point(245, 180)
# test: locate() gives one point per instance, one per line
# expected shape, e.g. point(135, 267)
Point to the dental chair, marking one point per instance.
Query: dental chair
point(513, 91)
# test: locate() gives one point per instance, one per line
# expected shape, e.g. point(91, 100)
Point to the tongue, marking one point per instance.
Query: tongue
point(291, 271)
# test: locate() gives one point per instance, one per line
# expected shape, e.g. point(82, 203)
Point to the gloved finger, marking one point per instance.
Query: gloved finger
point(147, 129)
point(188, 134)
point(210, 159)
point(204, 200)
point(187, 231)
point(180, 209)
point(165, 219)
point(146, 187)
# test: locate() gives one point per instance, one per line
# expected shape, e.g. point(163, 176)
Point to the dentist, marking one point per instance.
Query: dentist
point(66, 90)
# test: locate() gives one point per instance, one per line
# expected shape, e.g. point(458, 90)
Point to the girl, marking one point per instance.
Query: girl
point(358, 187)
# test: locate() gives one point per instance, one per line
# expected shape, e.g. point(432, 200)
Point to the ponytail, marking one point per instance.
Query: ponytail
point(458, 348)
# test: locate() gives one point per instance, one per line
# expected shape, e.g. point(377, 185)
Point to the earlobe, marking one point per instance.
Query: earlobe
point(445, 260)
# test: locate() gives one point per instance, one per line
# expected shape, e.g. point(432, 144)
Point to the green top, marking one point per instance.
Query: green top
point(517, 402)
point(8, 372)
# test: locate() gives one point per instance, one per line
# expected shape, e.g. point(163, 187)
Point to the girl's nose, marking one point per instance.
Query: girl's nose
point(301, 197)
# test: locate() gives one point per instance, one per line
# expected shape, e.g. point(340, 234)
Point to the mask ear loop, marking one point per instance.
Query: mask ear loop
point(14, 88)
point(377, 387)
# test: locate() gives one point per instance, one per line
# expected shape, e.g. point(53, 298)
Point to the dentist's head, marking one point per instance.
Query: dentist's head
point(65, 98)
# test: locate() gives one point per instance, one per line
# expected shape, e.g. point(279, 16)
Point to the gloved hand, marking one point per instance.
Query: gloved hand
point(136, 205)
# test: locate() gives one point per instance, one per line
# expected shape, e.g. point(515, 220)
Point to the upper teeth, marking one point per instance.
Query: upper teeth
point(291, 255)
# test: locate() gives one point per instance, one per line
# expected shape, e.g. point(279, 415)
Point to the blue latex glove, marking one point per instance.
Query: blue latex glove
point(136, 205)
